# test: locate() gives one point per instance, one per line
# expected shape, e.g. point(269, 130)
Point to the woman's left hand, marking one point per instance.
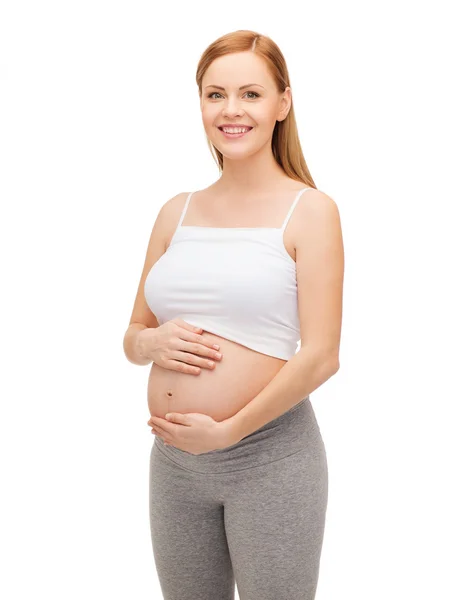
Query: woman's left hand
point(195, 433)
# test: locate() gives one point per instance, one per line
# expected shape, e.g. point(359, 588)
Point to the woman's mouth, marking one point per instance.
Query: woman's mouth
point(234, 133)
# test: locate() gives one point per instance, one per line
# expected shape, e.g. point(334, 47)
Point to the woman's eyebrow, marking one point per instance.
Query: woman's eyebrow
point(219, 87)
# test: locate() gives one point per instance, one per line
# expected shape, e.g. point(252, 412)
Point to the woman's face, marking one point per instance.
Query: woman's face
point(258, 106)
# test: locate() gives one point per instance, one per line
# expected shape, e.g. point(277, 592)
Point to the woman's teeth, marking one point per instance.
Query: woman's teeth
point(236, 132)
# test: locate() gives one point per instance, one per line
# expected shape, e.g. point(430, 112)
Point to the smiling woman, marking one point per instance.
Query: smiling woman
point(256, 261)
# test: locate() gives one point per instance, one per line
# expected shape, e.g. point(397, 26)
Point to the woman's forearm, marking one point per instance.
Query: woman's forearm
point(131, 346)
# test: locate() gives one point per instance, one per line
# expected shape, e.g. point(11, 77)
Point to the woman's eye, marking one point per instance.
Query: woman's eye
point(255, 94)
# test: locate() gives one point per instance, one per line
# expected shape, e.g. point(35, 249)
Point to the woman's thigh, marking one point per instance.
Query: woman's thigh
point(188, 536)
point(274, 519)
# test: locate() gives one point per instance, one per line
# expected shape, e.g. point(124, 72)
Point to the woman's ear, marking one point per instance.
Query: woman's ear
point(285, 104)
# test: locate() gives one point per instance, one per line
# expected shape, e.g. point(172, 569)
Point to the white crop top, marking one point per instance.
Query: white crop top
point(236, 282)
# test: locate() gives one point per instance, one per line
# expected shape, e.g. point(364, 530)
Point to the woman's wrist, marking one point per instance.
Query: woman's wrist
point(134, 345)
point(141, 346)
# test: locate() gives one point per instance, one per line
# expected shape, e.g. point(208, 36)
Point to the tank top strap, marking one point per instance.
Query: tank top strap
point(182, 216)
point(293, 206)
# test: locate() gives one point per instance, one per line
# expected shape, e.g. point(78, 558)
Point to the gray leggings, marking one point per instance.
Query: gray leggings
point(252, 514)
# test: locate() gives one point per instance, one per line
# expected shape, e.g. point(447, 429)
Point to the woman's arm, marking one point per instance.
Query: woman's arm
point(319, 272)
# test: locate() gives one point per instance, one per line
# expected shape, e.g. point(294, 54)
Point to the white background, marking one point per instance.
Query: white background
point(100, 125)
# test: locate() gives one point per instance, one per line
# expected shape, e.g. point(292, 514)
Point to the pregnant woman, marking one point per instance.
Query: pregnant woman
point(235, 275)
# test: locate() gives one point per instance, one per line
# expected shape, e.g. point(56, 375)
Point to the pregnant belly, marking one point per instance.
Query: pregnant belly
point(219, 392)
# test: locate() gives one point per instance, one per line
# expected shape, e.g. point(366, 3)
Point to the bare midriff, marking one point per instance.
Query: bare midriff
point(219, 392)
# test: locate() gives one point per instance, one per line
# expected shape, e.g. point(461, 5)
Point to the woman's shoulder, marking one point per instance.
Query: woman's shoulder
point(169, 215)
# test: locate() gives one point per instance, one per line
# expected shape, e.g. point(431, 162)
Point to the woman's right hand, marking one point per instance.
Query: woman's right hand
point(178, 346)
